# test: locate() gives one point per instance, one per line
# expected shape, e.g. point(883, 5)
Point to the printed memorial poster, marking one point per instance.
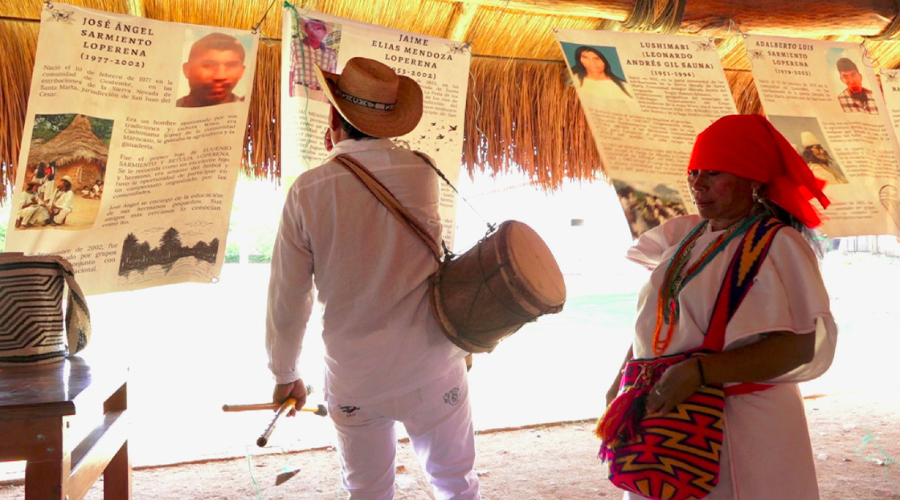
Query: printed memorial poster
point(131, 149)
point(440, 66)
point(824, 98)
point(889, 193)
point(646, 97)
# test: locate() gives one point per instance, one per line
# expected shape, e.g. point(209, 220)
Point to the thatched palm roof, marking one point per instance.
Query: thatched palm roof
point(521, 114)
point(77, 143)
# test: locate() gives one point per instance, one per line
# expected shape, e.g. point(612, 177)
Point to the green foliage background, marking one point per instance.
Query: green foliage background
point(47, 127)
point(4, 218)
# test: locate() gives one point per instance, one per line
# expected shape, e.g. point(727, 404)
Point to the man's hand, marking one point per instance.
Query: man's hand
point(295, 389)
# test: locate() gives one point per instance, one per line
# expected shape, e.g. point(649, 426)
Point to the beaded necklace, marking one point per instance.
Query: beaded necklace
point(674, 280)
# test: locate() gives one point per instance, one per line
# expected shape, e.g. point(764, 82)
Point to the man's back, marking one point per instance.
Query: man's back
point(370, 271)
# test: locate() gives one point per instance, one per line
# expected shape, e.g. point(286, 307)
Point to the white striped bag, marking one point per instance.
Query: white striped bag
point(31, 317)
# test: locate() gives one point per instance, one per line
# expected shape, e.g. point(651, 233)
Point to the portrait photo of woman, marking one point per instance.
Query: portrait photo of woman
point(594, 76)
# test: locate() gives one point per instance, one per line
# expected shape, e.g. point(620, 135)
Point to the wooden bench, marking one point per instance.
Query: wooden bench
point(40, 408)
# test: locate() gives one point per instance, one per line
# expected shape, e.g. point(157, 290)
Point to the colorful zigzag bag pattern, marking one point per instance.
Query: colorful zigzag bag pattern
point(676, 456)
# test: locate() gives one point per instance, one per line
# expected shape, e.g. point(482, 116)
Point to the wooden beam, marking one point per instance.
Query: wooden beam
point(799, 18)
point(464, 18)
point(617, 10)
point(774, 17)
point(713, 17)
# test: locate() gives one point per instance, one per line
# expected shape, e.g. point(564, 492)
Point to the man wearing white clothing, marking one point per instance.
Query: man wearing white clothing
point(386, 358)
point(64, 202)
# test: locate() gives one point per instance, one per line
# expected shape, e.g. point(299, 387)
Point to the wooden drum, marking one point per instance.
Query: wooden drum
point(508, 279)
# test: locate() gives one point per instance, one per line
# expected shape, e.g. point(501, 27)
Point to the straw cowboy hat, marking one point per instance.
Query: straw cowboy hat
point(373, 98)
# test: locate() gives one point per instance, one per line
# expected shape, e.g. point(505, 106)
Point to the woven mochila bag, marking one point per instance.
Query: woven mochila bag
point(33, 329)
point(676, 456)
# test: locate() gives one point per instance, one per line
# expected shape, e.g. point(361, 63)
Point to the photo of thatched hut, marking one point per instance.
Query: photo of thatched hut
point(74, 148)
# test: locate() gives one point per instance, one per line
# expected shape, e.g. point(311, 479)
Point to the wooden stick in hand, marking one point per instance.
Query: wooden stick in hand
point(282, 410)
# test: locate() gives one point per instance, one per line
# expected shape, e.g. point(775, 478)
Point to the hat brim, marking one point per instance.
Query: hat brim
point(375, 122)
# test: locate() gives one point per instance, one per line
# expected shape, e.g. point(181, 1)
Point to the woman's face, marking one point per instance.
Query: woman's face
point(721, 198)
point(593, 65)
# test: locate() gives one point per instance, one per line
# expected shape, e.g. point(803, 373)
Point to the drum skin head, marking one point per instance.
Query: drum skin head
point(534, 264)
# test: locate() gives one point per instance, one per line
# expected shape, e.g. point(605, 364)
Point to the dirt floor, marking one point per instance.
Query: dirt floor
point(855, 436)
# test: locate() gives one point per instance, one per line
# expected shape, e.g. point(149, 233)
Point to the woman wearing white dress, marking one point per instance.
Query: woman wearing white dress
point(782, 332)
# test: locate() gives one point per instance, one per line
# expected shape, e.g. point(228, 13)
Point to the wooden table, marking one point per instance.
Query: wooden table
point(40, 406)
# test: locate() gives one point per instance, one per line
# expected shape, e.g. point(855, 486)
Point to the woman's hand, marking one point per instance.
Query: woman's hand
point(676, 384)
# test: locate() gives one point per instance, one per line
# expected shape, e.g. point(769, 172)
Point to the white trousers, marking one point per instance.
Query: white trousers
point(437, 418)
point(60, 218)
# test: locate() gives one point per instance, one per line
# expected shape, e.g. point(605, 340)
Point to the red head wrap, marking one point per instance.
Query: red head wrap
point(749, 146)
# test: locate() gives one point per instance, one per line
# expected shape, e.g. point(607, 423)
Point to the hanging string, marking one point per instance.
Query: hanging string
point(426, 159)
point(737, 28)
point(477, 104)
point(255, 29)
point(295, 30)
point(867, 60)
point(250, 470)
point(871, 439)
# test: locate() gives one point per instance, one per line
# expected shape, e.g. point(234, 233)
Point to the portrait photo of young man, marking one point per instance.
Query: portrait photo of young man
point(214, 67)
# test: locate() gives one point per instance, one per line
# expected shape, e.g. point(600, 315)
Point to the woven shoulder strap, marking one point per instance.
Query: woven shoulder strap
point(381, 192)
point(751, 253)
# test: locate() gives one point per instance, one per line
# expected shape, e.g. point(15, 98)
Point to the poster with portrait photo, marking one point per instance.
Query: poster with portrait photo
point(889, 194)
point(438, 65)
point(134, 137)
point(214, 69)
point(314, 42)
point(824, 98)
point(675, 88)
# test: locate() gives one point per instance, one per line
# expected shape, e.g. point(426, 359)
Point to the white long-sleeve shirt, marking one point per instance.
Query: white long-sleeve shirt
point(370, 272)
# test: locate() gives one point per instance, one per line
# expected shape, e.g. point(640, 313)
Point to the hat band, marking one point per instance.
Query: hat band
point(364, 102)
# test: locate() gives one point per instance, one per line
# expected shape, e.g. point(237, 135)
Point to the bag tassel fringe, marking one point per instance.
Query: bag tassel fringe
point(621, 420)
